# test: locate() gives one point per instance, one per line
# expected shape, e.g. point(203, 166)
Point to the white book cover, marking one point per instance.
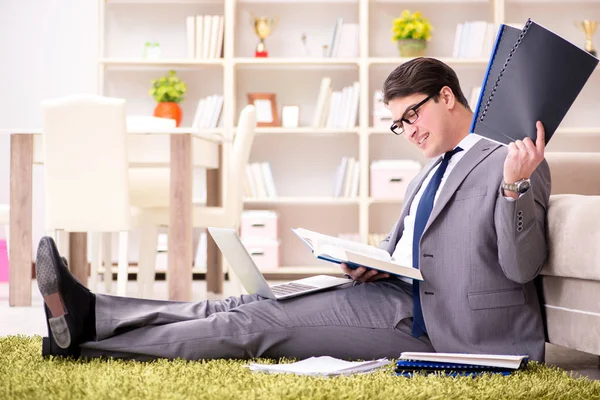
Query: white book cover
point(322, 100)
point(349, 41)
point(457, 39)
point(198, 115)
point(268, 178)
point(208, 111)
point(190, 36)
point(336, 98)
point(219, 50)
point(321, 366)
point(214, 36)
point(206, 36)
point(354, 105)
point(344, 108)
point(258, 179)
point(348, 176)
point(217, 111)
point(199, 35)
point(337, 36)
point(339, 178)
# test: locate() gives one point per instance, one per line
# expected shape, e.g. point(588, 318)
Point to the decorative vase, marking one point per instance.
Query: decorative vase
point(412, 47)
point(168, 110)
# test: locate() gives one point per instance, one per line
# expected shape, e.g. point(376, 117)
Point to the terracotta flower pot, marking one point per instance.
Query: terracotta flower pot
point(412, 47)
point(169, 110)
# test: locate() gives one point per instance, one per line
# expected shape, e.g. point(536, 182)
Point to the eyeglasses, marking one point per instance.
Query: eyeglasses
point(410, 117)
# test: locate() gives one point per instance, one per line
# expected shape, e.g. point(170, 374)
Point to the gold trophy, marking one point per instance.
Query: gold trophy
point(588, 27)
point(263, 26)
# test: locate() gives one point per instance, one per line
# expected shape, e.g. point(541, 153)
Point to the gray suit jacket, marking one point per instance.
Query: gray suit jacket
point(479, 254)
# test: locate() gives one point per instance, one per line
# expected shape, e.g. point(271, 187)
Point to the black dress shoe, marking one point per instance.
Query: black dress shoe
point(69, 305)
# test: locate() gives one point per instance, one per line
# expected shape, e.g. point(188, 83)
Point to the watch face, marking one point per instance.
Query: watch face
point(523, 186)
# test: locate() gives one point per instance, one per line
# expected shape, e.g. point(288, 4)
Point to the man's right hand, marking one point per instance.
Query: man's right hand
point(363, 274)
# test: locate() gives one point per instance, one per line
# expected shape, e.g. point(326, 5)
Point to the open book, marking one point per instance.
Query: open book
point(354, 254)
point(323, 365)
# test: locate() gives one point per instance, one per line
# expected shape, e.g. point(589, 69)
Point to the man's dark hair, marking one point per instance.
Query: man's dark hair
point(422, 75)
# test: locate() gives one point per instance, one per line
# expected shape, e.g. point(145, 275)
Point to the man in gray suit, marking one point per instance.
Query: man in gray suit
point(473, 221)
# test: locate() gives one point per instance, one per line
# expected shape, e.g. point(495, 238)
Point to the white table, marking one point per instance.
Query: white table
point(179, 148)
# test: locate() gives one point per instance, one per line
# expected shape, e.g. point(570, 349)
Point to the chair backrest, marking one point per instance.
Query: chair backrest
point(574, 172)
point(85, 157)
point(240, 155)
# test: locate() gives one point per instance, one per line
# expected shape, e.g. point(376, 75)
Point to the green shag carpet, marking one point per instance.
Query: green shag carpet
point(24, 374)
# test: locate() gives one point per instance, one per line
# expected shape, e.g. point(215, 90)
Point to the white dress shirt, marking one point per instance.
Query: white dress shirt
point(403, 252)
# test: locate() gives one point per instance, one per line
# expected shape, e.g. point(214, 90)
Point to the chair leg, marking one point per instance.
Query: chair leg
point(107, 257)
point(96, 260)
point(147, 261)
point(122, 272)
point(7, 237)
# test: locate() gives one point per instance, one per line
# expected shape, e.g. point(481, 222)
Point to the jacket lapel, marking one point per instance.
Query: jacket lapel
point(477, 154)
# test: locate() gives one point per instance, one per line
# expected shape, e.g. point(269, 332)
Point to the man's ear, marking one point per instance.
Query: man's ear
point(447, 97)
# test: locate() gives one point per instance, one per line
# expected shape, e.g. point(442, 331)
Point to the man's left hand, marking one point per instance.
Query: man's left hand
point(524, 156)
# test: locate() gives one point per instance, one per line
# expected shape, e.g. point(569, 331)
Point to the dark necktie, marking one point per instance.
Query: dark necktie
point(423, 212)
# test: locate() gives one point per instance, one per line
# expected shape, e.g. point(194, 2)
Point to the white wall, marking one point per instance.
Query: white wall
point(48, 48)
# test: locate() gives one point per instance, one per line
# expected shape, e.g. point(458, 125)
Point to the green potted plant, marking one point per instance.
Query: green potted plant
point(411, 31)
point(168, 91)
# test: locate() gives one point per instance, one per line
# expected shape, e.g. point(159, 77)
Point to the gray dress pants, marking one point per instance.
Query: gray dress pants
point(364, 321)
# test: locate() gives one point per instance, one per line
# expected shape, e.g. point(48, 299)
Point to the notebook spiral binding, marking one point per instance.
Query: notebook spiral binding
point(510, 54)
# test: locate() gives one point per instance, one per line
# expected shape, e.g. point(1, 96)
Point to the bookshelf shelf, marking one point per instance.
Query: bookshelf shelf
point(304, 159)
point(140, 62)
point(301, 201)
point(307, 131)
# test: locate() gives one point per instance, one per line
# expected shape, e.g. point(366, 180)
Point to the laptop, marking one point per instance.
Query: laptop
point(251, 278)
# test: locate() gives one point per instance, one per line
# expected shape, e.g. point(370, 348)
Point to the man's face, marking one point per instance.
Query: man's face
point(429, 120)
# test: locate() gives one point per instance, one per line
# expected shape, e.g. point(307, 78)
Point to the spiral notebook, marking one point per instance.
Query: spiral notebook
point(533, 74)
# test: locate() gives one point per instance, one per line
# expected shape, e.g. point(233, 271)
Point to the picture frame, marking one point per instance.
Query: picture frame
point(266, 108)
point(290, 115)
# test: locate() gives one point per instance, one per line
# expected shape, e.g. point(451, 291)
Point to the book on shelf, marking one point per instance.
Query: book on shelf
point(336, 109)
point(533, 74)
point(354, 254)
point(204, 36)
point(474, 39)
point(347, 178)
point(259, 181)
point(208, 112)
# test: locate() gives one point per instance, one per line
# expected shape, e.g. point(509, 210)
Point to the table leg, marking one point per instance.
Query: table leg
point(21, 161)
point(78, 261)
point(214, 266)
point(179, 272)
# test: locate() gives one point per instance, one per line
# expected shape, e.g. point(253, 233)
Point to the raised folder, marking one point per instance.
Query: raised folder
point(354, 254)
point(533, 74)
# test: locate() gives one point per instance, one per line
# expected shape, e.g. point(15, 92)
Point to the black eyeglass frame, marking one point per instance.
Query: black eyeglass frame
point(399, 125)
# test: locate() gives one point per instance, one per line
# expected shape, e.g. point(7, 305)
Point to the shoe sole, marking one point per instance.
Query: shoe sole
point(48, 282)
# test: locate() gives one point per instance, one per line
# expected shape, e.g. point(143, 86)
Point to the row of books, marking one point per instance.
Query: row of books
point(259, 181)
point(337, 109)
point(204, 36)
point(347, 178)
point(474, 39)
point(208, 112)
point(345, 40)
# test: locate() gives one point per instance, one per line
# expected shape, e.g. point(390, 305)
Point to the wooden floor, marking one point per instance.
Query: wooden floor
point(30, 321)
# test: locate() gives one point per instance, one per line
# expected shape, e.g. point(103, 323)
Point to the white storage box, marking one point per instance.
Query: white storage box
point(265, 253)
point(259, 224)
point(389, 178)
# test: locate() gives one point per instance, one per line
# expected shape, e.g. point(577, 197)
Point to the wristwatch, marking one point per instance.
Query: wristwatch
point(520, 186)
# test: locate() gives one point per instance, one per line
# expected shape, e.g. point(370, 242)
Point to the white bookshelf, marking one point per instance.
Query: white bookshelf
point(304, 159)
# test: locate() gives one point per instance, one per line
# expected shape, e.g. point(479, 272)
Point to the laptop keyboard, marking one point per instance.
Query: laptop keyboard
point(289, 288)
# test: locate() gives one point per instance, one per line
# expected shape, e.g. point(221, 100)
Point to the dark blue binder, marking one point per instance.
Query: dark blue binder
point(409, 367)
point(533, 74)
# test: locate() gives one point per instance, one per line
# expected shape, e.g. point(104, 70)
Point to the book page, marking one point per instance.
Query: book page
point(315, 241)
